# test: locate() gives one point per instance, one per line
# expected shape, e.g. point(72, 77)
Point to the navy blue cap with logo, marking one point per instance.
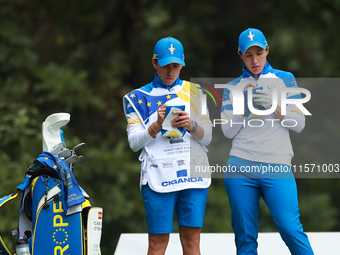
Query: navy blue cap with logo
point(169, 50)
point(251, 37)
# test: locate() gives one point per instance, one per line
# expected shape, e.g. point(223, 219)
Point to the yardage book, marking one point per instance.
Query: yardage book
point(167, 129)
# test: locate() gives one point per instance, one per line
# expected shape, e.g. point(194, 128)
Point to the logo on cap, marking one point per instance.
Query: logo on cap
point(251, 36)
point(172, 49)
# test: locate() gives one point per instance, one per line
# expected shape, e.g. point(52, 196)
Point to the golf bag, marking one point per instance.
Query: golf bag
point(55, 215)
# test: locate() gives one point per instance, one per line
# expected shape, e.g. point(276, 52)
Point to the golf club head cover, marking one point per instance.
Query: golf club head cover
point(52, 136)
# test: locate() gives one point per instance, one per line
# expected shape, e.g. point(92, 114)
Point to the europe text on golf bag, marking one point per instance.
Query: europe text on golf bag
point(55, 215)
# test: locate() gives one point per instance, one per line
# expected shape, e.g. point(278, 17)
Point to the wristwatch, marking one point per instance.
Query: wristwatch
point(195, 127)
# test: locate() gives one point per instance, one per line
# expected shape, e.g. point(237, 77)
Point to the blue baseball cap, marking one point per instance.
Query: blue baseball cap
point(251, 37)
point(169, 50)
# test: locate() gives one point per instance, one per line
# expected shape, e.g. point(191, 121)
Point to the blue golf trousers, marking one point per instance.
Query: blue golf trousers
point(280, 194)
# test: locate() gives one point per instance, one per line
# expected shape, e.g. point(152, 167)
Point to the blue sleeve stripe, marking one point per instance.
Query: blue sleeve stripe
point(298, 96)
point(227, 107)
point(291, 83)
point(129, 110)
point(234, 82)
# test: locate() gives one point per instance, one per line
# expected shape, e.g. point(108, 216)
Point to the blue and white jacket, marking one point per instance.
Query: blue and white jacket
point(264, 138)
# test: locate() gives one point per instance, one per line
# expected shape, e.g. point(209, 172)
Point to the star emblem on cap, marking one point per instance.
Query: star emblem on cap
point(172, 49)
point(251, 36)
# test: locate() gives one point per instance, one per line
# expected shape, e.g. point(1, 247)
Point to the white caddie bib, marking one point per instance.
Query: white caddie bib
point(170, 162)
point(172, 167)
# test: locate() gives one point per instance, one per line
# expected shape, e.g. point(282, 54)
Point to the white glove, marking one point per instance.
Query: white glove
point(262, 98)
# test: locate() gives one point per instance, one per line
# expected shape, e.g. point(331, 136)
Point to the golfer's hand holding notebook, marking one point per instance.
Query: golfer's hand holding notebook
point(167, 129)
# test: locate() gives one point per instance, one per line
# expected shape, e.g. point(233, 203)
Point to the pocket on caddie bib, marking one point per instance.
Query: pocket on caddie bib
point(167, 175)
